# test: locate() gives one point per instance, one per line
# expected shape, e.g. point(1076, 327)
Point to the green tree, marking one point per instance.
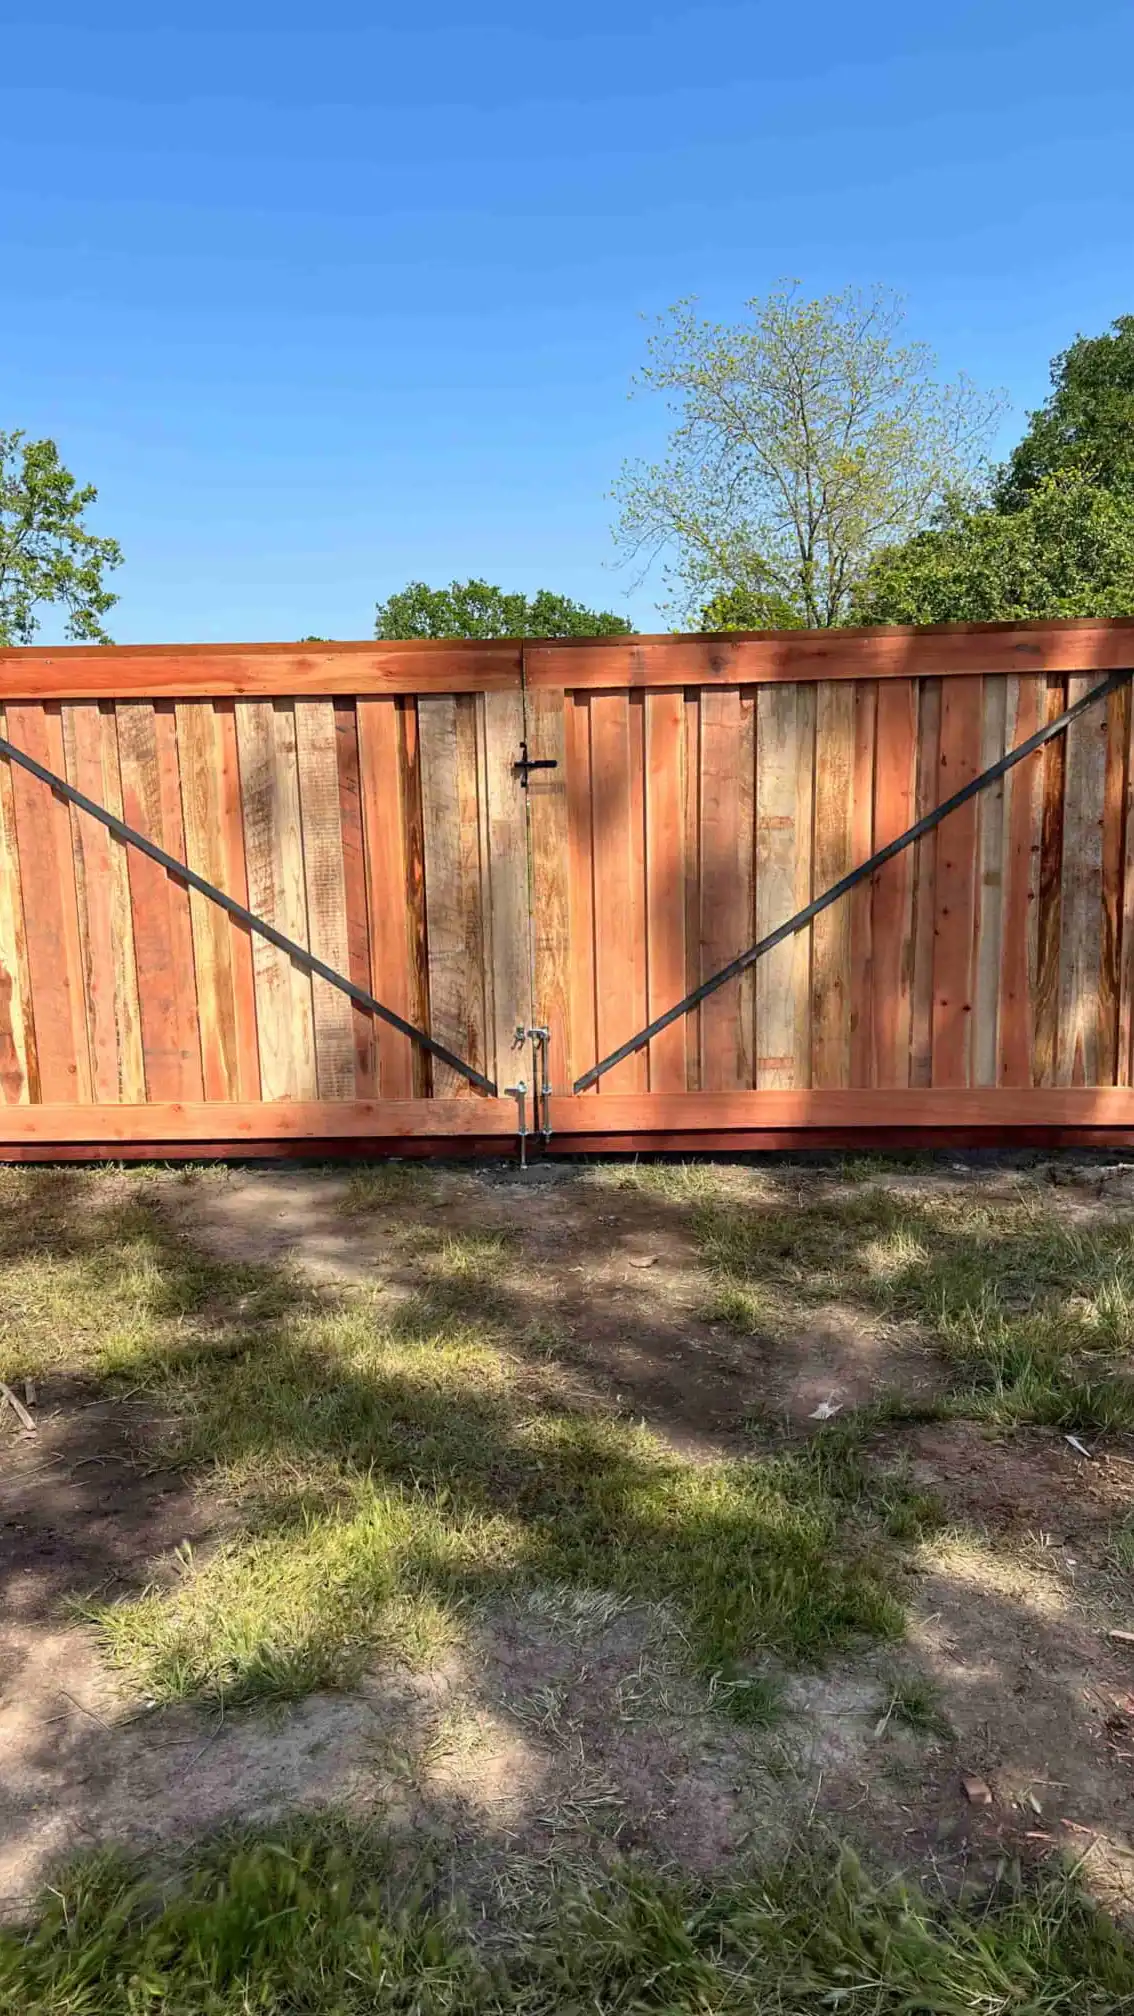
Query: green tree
point(476, 609)
point(48, 556)
point(807, 436)
point(1087, 423)
point(749, 609)
point(1068, 551)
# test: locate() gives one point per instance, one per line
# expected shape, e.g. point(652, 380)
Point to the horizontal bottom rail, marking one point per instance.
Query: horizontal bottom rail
point(847, 1110)
point(609, 1123)
point(188, 1122)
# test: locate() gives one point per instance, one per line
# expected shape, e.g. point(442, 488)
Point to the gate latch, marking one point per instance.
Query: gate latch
point(527, 764)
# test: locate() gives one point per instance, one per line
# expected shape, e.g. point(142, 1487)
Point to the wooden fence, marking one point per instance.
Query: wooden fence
point(363, 799)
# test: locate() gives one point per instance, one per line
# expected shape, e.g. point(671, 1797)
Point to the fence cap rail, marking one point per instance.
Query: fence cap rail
point(750, 658)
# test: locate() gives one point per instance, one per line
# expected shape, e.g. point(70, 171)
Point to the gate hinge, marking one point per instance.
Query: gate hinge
point(526, 764)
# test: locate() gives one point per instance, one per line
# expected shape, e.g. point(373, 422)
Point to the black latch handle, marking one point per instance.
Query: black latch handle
point(527, 764)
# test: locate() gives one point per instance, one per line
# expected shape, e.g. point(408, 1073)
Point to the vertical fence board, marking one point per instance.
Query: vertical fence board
point(354, 892)
point(106, 935)
point(409, 751)
point(391, 974)
point(619, 891)
point(665, 882)
point(507, 861)
point(692, 884)
point(989, 923)
point(785, 749)
point(580, 885)
point(51, 916)
point(19, 1067)
point(1077, 1054)
point(273, 841)
point(861, 906)
point(831, 975)
point(325, 891)
point(892, 889)
point(728, 901)
point(1049, 901)
point(546, 728)
point(1023, 797)
point(222, 950)
point(452, 816)
point(1113, 855)
point(955, 908)
point(925, 885)
point(1125, 1074)
point(163, 935)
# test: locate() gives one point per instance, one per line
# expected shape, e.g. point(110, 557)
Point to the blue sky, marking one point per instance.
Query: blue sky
point(327, 298)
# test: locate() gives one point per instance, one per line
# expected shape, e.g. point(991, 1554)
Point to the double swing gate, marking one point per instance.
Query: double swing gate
point(811, 888)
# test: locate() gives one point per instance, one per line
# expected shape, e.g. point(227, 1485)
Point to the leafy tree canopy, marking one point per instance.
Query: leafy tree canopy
point(749, 609)
point(1087, 424)
point(1068, 551)
point(806, 437)
point(48, 556)
point(476, 609)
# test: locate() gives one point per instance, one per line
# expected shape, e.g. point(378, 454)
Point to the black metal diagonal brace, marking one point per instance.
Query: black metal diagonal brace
point(814, 909)
point(244, 916)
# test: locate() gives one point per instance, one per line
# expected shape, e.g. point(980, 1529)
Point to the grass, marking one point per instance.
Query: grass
point(1034, 1320)
point(321, 1921)
point(1120, 1552)
point(386, 1463)
point(915, 1703)
point(379, 1183)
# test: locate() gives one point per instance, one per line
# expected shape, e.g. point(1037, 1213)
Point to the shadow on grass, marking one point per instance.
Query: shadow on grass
point(387, 1467)
point(1034, 1319)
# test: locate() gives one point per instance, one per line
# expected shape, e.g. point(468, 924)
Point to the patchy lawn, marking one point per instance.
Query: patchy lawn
point(684, 1514)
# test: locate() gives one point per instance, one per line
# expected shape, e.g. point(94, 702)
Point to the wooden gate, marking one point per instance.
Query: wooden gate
point(980, 985)
point(363, 799)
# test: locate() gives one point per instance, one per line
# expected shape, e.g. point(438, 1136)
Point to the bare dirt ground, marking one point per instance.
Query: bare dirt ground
point(566, 1724)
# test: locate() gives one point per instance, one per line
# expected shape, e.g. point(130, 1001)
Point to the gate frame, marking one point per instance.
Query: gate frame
point(1086, 1115)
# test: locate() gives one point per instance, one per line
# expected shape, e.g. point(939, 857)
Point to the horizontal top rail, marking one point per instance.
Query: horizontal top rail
point(261, 671)
point(257, 671)
point(790, 656)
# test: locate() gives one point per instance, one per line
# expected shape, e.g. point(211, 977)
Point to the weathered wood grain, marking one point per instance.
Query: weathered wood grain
point(1015, 1020)
point(51, 918)
point(728, 899)
point(363, 1025)
point(665, 882)
point(222, 950)
point(619, 888)
point(551, 868)
point(860, 902)
point(273, 846)
point(580, 888)
point(163, 932)
point(1113, 857)
point(991, 842)
point(19, 1067)
point(509, 950)
point(955, 906)
point(325, 890)
point(892, 888)
point(385, 849)
point(692, 884)
point(833, 856)
point(785, 771)
point(102, 888)
point(453, 815)
point(925, 885)
point(1050, 897)
point(1078, 1059)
